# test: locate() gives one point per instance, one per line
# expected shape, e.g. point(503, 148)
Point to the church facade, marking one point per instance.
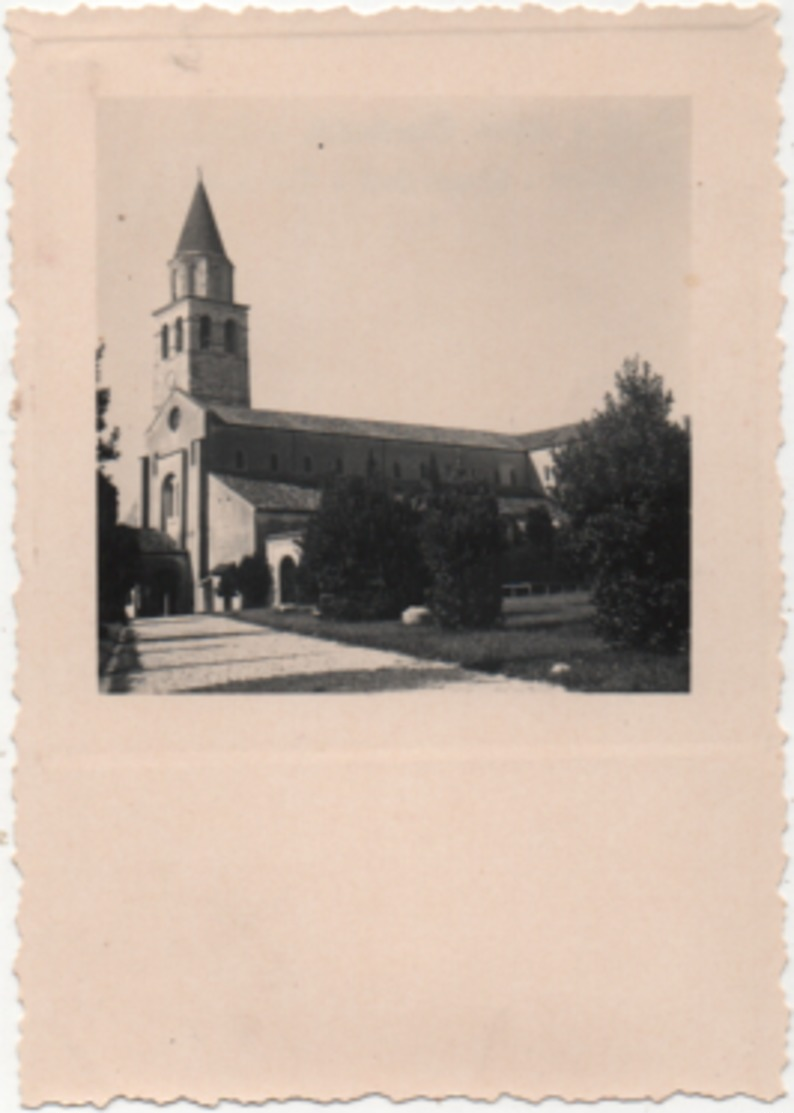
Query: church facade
point(224, 480)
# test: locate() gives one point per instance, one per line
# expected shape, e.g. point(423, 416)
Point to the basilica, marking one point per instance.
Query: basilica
point(222, 481)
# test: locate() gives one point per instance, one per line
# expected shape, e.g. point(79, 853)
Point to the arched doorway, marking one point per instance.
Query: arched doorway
point(164, 576)
point(287, 581)
point(283, 553)
point(163, 592)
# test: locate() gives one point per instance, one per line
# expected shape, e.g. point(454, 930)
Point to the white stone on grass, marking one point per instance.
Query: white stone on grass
point(416, 616)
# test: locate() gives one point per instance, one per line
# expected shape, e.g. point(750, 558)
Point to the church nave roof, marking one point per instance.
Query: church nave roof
point(358, 427)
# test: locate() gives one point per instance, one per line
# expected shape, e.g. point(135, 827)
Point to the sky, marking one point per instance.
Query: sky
point(484, 263)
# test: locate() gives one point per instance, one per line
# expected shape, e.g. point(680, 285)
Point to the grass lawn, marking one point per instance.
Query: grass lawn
point(537, 633)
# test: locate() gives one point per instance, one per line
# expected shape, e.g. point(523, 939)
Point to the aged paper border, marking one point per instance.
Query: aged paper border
point(730, 726)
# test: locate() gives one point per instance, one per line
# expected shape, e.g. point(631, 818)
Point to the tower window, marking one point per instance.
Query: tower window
point(240, 462)
point(164, 341)
point(340, 465)
point(397, 470)
point(274, 461)
point(513, 477)
point(205, 331)
point(307, 464)
point(230, 337)
point(423, 472)
point(179, 338)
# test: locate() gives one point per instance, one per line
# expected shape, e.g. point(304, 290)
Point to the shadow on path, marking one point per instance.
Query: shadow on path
point(124, 665)
point(371, 680)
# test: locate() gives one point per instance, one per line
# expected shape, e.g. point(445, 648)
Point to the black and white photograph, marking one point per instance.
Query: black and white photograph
point(418, 373)
point(393, 394)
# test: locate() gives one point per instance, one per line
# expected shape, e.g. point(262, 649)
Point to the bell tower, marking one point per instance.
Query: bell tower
point(201, 335)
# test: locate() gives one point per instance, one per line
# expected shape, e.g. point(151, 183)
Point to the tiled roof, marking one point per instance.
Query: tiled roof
point(200, 232)
point(355, 427)
point(264, 494)
point(547, 438)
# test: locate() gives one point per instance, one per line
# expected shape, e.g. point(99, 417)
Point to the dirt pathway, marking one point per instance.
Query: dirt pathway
point(207, 653)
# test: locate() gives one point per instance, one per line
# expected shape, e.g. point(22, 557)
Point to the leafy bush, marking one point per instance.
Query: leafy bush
point(462, 540)
point(254, 581)
point(361, 552)
point(117, 555)
point(624, 488)
point(539, 531)
point(535, 557)
point(228, 583)
point(641, 611)
point(522, 562)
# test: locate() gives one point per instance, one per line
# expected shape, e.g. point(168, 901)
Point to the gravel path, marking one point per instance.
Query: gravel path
point(217, 653)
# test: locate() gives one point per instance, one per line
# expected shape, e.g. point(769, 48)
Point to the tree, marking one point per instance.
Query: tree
point(254, 581)
point(462, 540)
point(228, 587)
point(116, 556)
point(539, 531)
point(107, 440)
point(532, 556)
point(361, 553)
point(623, 485)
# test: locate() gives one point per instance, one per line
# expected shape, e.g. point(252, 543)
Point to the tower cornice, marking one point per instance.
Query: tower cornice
point(199, 300)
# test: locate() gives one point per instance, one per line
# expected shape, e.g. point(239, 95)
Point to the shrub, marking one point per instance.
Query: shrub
point(624, 488)
point(539, 531)
point(462, 540)
point(637, 611)
point(534, 556)
point(228, 585)
point(254, 581)
point(117, 555)
point(361, 552)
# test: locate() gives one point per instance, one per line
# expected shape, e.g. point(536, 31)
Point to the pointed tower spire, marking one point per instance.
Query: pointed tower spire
point(200, 233)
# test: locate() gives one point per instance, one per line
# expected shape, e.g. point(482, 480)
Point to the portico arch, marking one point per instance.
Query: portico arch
point(284, 554)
